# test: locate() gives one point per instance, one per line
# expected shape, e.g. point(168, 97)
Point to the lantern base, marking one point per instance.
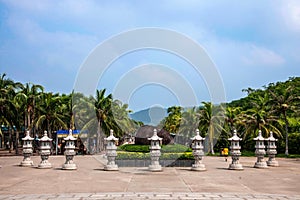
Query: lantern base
point(69, 166)
point(261, 165)
point(44, 165)
point(198, 167)
point(111, 168)
point(236, 166)
point(26, 163)
point(155, 168)
point(272, 163)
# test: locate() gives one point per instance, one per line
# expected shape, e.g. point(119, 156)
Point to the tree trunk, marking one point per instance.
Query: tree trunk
point(286, 136)
point(211, 141)
point(17, 142)
point(10, 139)
point(98, 143)
point(28, 121)
point(48, 129)
point(25, 121)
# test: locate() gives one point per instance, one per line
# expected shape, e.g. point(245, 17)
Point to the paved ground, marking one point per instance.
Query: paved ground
point(90, 181)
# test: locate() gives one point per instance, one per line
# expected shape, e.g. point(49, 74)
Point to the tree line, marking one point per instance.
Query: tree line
point(274, 108)
point(28, 107)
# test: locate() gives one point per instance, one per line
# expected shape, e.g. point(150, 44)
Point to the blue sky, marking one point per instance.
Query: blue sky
point(252, 43)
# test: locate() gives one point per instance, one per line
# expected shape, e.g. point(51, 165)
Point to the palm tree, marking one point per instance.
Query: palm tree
point(104, 115)
point(232, 117)
point(260, 117)
point(8, 108)
point(172, 122)
point(211, 122)
point(283, 101)
point(122, 123)
point(67, 109)
point(189, 122)
point(83, 109)
point(50, 116)
point(28, 95)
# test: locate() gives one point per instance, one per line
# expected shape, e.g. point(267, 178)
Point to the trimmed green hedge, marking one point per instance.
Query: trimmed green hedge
point(123, 155)
point(134, 148)
point(175, 148)
point(172, 148)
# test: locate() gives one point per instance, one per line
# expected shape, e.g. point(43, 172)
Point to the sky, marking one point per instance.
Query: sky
point(251, 44)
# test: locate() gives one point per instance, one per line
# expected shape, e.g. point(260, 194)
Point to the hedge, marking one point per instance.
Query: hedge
point(122, 155)
point(172, 148)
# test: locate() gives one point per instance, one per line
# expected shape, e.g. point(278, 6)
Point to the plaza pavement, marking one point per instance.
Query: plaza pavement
point(90, 181)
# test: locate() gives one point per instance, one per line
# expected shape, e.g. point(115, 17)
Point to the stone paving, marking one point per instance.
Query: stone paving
point(156, 196)
point(90, 181)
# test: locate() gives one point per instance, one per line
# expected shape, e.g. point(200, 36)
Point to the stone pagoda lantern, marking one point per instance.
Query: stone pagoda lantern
point(111, 152)
point(27, 150)
point(271, 151)
point(235, 152)
point(70, 152)
point(197, 146)
point(155, 152)
point(260, 151)
point(45, 151)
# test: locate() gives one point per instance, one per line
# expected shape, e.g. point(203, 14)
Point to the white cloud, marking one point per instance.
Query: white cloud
point(261, 56)
point(291, 14)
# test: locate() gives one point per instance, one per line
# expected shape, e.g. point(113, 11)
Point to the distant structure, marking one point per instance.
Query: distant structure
point(146, 131)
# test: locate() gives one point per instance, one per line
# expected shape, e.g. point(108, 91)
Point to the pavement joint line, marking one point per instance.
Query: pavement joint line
point(149, 195)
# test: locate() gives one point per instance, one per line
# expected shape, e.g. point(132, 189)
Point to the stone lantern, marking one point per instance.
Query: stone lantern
point(70, 152)
point(111, 152)
point(197, 146)
point(27, 150)
point(271, 151)
point(45, 151)
point(155, 152)
point(235, 152)
point(260, 151)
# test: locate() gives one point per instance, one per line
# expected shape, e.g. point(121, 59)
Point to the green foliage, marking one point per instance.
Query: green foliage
point(122, 155)
point(175, 148)
point(294, 143)
point(177, 156)
point(274, 107)
point(172, 148)
point(134, 148)
point(246, 153)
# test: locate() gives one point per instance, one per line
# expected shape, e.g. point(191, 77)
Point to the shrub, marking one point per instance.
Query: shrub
point(135, 148)
point(175, 148)
point(172, 148)
point(132, 156)
point(177, 156)
point(122, 155)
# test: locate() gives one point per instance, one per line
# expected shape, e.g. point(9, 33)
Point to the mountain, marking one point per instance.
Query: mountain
point(150, 116)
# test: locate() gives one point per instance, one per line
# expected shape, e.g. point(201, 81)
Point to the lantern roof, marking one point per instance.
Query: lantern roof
point(45, 138)
point(271, 138)
point(111, 137)
point(197, 136)
point(27, 137)
point(70, 136)
point(154, 136)
point(235, 137)
point(259, 137)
